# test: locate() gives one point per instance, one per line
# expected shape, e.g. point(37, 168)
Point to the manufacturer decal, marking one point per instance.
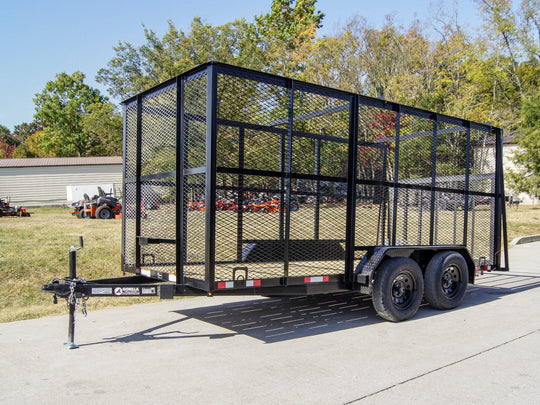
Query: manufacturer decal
point(101, 291)
point(127, 291)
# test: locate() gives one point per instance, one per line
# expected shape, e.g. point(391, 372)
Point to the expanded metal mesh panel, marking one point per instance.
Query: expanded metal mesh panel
point(130, 141)
point(415, 148)
point(195, 89)
point(195, 225)
point(252, 101)
point(129, 224)
point(249, 208)
point(482, 207)
point(451, 156)
point(157, 187)
point(194, 184)
point(129, 196)
point(158, 137)
point(450, 217)
point(376, 125)
point(253, 227)
point(481, 218)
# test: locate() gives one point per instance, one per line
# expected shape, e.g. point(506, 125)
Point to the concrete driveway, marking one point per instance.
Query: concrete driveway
point(307, 350)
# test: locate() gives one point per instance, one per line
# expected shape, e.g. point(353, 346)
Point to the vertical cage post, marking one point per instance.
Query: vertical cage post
point(138, 180)
point(240, 197)
point(317, 202)
point(211, 140)
point(351, 190)
point(433, 203)
point(180, 164)
point(500, 208)
point(396, 177)
point(467, 183)
point(290, 125)
point(124, 183)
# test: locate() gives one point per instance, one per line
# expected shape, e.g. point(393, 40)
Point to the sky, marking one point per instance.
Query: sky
point(40, 38)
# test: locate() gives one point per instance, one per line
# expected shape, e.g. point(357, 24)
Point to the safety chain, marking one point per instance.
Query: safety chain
point(73, 300)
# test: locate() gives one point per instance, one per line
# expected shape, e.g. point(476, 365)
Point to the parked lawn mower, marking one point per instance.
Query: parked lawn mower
point(102, 206)
point(8, 211)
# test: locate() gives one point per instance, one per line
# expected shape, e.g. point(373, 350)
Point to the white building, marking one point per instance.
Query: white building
point(43, 181)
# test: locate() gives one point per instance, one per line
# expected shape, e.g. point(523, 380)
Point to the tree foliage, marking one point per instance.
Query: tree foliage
point(60, 108)
point(528, 156)
point(134, 69)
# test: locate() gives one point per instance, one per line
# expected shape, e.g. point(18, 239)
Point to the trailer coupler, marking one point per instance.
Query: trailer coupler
point(76, 291)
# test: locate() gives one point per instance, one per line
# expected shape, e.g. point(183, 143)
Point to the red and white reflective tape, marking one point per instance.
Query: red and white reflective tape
point(483, 268)
point(317, 279)
point(225, 284)
point(230, 284)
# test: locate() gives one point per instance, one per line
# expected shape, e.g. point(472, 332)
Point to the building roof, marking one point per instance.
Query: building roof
point(68, 161)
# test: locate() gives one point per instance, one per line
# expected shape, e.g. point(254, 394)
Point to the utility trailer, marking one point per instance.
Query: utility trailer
point(360, 193)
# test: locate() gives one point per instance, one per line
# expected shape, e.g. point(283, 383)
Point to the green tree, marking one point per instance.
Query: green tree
point(286, 35)
point(22, 131)
point(134, 69)
point(60, 108)
point(103, 124)
point(32, 147)
point(528, 157)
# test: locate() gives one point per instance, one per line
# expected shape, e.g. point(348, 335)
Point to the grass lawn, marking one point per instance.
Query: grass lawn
point(34, 250)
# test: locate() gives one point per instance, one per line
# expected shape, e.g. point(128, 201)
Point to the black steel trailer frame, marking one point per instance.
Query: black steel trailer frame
point(243, 182)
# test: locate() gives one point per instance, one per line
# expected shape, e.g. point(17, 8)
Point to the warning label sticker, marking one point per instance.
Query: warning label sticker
point(148, 291)
point(101, 291)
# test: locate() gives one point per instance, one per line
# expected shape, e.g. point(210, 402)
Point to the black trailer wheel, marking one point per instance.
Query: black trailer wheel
point(104, 212)
point(446, 280)
point(81, 213)
point(398, 287)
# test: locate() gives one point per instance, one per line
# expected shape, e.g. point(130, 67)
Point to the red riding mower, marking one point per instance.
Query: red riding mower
point(8, 211)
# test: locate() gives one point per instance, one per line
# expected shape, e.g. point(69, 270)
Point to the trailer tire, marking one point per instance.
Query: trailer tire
point(104, 212)
point(446, 280)
point(398, 287)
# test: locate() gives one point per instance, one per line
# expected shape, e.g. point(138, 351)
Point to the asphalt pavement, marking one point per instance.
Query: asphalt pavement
point(303, 350)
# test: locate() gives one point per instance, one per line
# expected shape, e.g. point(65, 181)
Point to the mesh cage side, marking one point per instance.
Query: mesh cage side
point(157, 186)
point(481, 208)
point(319, 148)
point(129, 226)
point(194, 184)
point(375, 164)
point(252, 119)
point(129, 193)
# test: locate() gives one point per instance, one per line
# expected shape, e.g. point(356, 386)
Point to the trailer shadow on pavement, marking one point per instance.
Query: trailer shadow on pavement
point(279, 319)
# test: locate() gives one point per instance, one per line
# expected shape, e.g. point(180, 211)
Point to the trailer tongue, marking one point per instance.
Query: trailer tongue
point(260, 184)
